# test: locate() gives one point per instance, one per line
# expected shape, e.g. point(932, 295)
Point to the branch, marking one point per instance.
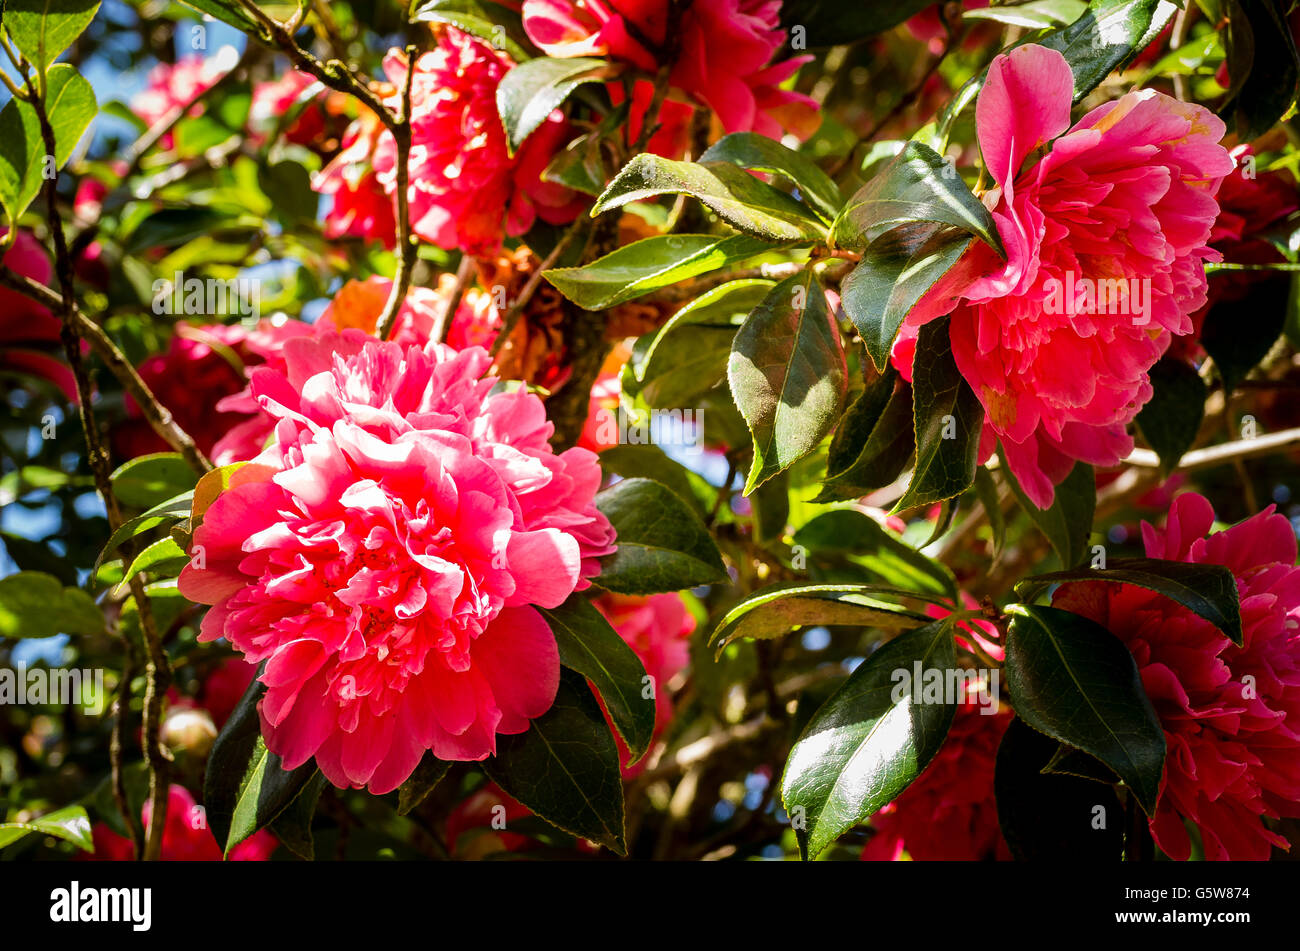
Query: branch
point(511, 317)
point(448, 314)
point(405, 241)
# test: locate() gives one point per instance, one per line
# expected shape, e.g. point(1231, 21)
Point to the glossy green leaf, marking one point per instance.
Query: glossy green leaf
point(245, 786)
point(869, 740)
point(738, 198)
point(230, 12)
point(531, 91)
point(590, 645)
point(787, 374)
point(1072, 679)
point(1170, 421)
point(1035, 15)
point(651, 462)
point(662, 544)
point(1106, 36)
point(69, 823)
point(878, 550)
point(778, 610)
point(650, 264)
point(1208, 591)
point(895, 272)
point(872, 443)
point(148, 480)
point(834, 22)
point(916, 185)
point(491, 22)
point(163, 556)
point(761, 154)
point(173, 510)
point(293, 826)
point(948, 420)
point(416, 789)
point(33, 604)
point(565, 767)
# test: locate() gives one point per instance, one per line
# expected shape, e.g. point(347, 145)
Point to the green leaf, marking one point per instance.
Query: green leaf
point(778, 610)
point(245, 787)
point(895, 272)
point(1072, 679)
point(148, 480)
point(878, 550)
point(1035, 15)
point(651, 462)
point(1107, 35)
point(416, 789)
point(872, 443)
point(163, 555)
point(33, 604)
point(649, 264)
point(529, 93)
point(948, 420)
point(1238, 334)
point(870, 739)
point(69, 823)
point(173, 510)
point(1170, 421)
point(758, 153)
point(916, 185)
point(787, 374)
point(739, 199)
point(230, 12)
point(590, 645)
point(1067, 523)
point(662, 544)
point(770, 508)
point(565, 767)
point(687, 356)
point(172, 227)
point(43, 29)
point(1046, 816)
point(1262, 64)
point(1208, 591)
point(494, 23)
point(1068, 761)
point(293, 826)
point(70, 105)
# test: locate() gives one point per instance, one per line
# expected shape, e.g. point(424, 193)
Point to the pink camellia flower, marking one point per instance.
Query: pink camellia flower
point(186, 836)
point(1229, 713)
point(466, 191)
point(273, 99)
point(725, 49)
point(1106, 242)
point(385, 551)
point(658, 629)
point(359, 208)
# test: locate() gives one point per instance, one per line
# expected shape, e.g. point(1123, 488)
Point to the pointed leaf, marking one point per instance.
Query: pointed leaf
point(662, 544)
point(1067, 523)
point(529, 93)
point(761, 154)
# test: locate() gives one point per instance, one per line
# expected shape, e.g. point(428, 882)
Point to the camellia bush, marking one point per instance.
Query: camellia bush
point(649, 429)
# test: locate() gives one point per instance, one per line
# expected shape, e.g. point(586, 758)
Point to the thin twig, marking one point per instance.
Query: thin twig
point(511, 316)
point(452, 304)
point(406, 246)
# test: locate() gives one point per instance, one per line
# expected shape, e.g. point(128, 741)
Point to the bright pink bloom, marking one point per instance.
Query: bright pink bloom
point(658, 629)
point(724, 57)
point(359, 208)
point(186, 836)
point(466, 191)
point(1230, 714)
point(385, 552)
point(1121, 204)
point(273, 99)
point(171, 85)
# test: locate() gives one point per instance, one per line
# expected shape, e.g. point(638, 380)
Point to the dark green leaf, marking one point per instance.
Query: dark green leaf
point(1170, 421)
point(651, 462)
point(787, 374)
point(649, 264)
point(1068, 761)
point(759, 153)
point(1072, 679)
point(1107, 35)
point(1067, 523)
point(834, 22)
point(770, 505)
point(662, 544)
point(739, 198)
point(916, 185)
point(492, 22)
point(172, 510)
point(1263, 65)
point(529, 93)
point(1045, 816)
point(878, 550)
point(872, 443)
point(172, 227)
point(428, 774)
point(895, 272)
point(948, 419)
point(870, 740)
point(565, 767)
point(246, 788)
point(590, 645)
point(293, 826)
point(1208, 591)
point(1238, 334)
